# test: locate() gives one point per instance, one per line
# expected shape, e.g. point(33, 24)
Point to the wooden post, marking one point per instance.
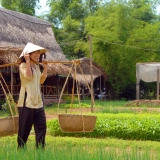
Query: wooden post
point(11, 80)
point(57, 90)
point(83, 92)
point(100, 88)
point(157, 83)
point(67, 86)
point(91, 71)
point(137, 81)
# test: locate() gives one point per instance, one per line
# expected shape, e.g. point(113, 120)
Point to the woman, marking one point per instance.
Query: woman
point(30, 104)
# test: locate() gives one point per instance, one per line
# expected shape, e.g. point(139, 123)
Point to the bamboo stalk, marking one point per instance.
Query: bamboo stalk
point(51, 62)
point(9, 64)
point(14, 126)
point(64, 85)
point(1, 76)
point(92, 97)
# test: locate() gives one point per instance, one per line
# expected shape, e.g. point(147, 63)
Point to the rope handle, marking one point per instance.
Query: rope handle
point(64, 85)
point(8, 100)
point(74, 79)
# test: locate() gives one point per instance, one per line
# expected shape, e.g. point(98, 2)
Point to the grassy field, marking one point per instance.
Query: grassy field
point(71, 148)
point(104, 107)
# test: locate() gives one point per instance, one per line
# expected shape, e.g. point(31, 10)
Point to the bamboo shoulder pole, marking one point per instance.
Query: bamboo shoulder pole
point(51, 62)
point(9, 64)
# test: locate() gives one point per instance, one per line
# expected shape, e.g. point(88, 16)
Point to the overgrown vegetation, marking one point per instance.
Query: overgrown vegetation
point(122, 126)
point(9, 106)
point(113, 138)
point(80, 148)
point(114, 119)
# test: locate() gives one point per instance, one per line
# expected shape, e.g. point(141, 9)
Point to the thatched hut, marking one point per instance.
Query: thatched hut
point(16, 29)
point(85, 66)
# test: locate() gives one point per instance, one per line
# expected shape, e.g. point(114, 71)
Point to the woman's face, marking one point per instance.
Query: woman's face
point(35, 55)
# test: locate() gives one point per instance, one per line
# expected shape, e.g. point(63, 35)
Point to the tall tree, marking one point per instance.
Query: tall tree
point(119, 42)
point(24, 6)
point(124, 32)
point(68, 19)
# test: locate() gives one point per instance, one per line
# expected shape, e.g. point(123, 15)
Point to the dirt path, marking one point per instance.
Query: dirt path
point(88, 110)
point(50, 116)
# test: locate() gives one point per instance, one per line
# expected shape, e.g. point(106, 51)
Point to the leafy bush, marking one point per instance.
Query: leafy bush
point(69, 97)
point(9, 103)
point(123, 126)
point(75, 105)
point(1, 103)
point(53, 127)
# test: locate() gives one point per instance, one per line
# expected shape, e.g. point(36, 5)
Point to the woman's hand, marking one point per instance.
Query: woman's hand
point(26, 56)
point(28, 72)
point(45, 65)
point(45, 69)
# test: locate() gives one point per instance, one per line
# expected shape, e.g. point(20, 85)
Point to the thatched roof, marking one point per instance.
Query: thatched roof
point(85, 67)
point(60, 69)
point(16, 29)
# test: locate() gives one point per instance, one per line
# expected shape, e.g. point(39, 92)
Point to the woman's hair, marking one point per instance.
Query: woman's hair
point(22, 59)
point(41, 57)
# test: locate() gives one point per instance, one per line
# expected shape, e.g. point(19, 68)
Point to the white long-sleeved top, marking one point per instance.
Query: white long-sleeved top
point(31, 86)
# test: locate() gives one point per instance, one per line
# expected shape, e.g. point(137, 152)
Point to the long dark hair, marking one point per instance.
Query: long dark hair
point(21, 60)
point(43, 55)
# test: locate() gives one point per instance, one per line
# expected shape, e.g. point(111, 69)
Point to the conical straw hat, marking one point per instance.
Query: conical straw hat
point(30, 47)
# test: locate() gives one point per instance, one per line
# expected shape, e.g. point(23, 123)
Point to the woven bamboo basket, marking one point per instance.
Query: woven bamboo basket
point(8, 126)
point(76, 123)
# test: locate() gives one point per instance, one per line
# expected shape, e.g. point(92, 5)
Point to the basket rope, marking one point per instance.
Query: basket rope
point(64, 85)
point(86, 83)
point(74, 72)
point(14, 128)
point(75, 79)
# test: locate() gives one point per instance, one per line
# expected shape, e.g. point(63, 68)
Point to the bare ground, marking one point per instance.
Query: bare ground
point(50, 116)
point(88, 110)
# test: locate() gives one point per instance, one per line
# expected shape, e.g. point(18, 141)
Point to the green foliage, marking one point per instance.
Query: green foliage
point(24, 6)
point(112, 28)
point(123, 34)
point(60, 148)
point(53, 127)
point(68, 19)
point(9, 103)
point(122, 126)
point(1, 103)
point(68, 98)
point(74, 105)
point(76, 9)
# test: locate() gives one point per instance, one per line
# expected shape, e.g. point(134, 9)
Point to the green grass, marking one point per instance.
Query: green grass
point(3, 114)
point(102, 107)
point(99, 107)
point(109, 103)
point(71, 148)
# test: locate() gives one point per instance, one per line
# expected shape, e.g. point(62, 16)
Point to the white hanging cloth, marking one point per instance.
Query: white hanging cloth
point(147, 71)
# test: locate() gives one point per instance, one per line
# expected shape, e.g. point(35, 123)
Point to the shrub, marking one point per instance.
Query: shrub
point(1, 103)
point(9, 103)
point(123, 126)
point(69, 97)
